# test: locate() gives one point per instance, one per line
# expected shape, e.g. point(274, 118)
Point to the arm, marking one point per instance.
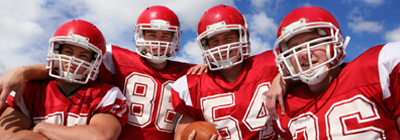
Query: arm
point(276, 93)
point(185, 121)
point(398, 123)
point(200, 68)
point(15, 125)
point(14, 80)
point(101, 126)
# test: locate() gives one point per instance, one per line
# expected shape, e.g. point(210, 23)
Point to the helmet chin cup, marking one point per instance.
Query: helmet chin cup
point(70, 77)
point(316, 76)
point(154, 59)
point(228, 63)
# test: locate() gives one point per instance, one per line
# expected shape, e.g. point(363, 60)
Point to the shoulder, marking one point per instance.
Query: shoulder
point(186, 83)
point(181, 84)
point(116, 51)
point(264, 62)
point(35, 85)
point(266, 56)
point(100, 86)
point(385, 56)
point(180, 64)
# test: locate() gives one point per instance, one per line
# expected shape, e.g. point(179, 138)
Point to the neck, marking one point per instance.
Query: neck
point(157, 66)
point(231, 74)
point(66, 87)
point(320, 87)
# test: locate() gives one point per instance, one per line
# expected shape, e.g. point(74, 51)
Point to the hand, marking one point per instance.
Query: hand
point(276, 93)
point(12, 80)
point(38, 127)
point(200, 68)
point(213, 137)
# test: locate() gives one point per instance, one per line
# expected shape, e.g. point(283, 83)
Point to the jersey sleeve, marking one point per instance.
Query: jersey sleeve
point(107, 69)
point(114, 102)
point(181, 99)
point(31, 90)
point(395, 89)
point(389, 69)
point(282, 131)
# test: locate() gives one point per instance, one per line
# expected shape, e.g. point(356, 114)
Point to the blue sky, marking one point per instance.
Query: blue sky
point(27, 25)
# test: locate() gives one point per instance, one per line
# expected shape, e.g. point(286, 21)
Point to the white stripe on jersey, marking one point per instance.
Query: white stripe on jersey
point(181, 86)
point(279, 125)
point(22, 105)
point(108, 59)
point(109, 98)
point(389, 57)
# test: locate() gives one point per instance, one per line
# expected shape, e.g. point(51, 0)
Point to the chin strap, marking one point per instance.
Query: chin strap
point(155, 60)
point(316, 76)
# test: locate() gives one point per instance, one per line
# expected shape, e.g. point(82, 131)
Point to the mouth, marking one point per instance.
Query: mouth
point(306, 65)
point(72, 69)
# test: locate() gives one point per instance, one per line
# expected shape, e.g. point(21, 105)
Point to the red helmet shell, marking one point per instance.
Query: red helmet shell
point(84, 29)
point(158, 12)
point(219, 13)
point(309, 14)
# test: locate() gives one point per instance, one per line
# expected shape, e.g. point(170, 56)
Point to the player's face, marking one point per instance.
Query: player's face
point(318, 54)
point(76, 52)
point(223, 39)
point(157, 35)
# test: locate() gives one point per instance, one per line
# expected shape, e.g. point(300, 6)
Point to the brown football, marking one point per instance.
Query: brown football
point(204, 130)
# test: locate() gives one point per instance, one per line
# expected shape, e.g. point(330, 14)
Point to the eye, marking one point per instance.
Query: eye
point(166, 36)
point(85, 57)
point(213, 42)
point(68, 52)
point(228, 38)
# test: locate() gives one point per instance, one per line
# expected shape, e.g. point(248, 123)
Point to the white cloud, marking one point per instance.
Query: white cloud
point(365, 26)
point(191, 53)
point(393, 36)
point(261, 24)
point(27, 25)
point(259, 45)
point(358, 24)
point(20, 33)
point(262, 31)
point(373, 2)
point(260, 3)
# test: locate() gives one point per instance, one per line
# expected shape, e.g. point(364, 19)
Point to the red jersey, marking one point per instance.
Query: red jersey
point(237, 109)
point(42, 101)
point(362, 102)
point(148, 93)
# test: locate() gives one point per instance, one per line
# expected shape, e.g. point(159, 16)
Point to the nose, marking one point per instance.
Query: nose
point(303, 53)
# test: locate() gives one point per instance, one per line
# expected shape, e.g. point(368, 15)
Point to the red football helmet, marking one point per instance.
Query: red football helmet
point(307, 19)
point(158, 18)
point(216, 20)
point(82, 34)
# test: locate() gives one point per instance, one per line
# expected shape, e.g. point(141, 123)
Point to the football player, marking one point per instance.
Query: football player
point(231, 96)
point(71, 105)
point(355, 100)
point(145, 76)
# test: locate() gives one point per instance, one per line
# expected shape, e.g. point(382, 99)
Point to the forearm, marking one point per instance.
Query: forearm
point(34, 72)
point(15, 125)
point(101, 126)
point(398, 124)
point(80, 132)
point(185, 121)
point(22, 135)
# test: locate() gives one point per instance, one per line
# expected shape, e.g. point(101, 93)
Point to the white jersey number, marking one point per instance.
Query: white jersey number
point(58, 118)
point(357, 108)
point(141, 94)
point(255, 119)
